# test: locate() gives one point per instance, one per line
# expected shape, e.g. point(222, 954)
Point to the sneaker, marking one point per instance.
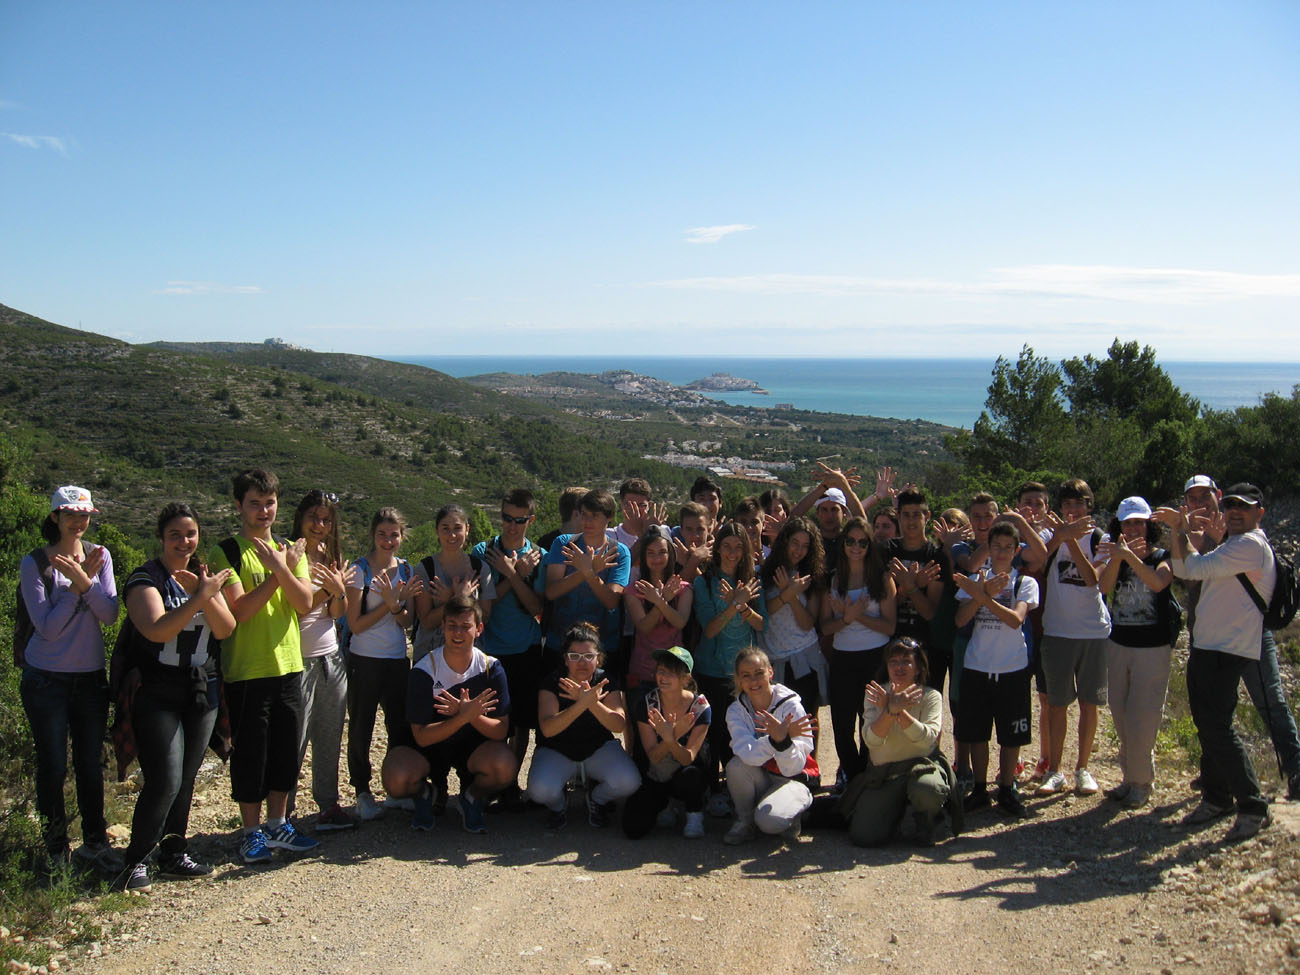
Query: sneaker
point(1009, 802)
point(1054, 783)
point(694, 828)
point(285, 837)
point(556, 820)
point(183, 865)
point(1084, 783)
point(719, 805)
point(1206, 812)
point(367, 808)
point(667, 817)
point(1041, 769)
point(135, 879)
point(253, 848)
point(1247, 825)
point(1293, 786)
point(599, 814)
point(511, 799)
point(1120, 792)
point(422, 817)
point(1020, 769)
point(740, 832)
point(334, 818)
point(977, 800)
point(100, 857)
point(1195, 784)
point(792, 832)
point(406, 804)
point(1138, 796)
point(471, 814)
point(841, 780)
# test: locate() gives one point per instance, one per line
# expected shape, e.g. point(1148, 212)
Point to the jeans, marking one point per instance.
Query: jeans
point(58, 706)
point(1226, 769)
point(1264, 685)
point(609, 766)
point(171, 734)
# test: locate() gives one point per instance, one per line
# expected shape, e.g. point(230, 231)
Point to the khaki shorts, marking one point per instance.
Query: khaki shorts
point(1074, 669)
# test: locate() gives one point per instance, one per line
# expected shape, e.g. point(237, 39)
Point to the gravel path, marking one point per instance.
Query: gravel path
point(1082, 884)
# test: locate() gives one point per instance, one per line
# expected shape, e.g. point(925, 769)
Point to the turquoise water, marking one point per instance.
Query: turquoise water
point(949, 391)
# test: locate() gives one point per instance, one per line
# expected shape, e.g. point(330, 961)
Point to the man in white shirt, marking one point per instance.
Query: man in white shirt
point(1225, 639)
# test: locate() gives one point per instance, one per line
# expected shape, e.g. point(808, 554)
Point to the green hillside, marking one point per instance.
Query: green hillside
point(141, 425)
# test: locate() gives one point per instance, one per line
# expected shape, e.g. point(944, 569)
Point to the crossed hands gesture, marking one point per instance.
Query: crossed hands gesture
point(332, 579)
point(200, 585)
point(849, 609)
point(460, 586)
point(790, 585)
point(740, 595)
point(449, 706)
point(394, 593)
point(896, 699)
point(950, 533)
point(80, 575)
point(779, 729)
point(583, 692)
point(589, 562)
point(909, 576)
point(670, 730)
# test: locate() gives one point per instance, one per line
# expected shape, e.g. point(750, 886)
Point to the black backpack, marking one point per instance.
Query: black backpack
point(1281, 609)
point(23, 628)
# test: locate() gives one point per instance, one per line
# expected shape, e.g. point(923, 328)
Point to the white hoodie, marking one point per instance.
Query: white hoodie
point(753, 748)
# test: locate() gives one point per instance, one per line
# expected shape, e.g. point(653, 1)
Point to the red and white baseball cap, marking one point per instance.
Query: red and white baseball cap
point(72, 498)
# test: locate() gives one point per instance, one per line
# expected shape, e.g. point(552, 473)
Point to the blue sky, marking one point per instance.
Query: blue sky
point(751, 178)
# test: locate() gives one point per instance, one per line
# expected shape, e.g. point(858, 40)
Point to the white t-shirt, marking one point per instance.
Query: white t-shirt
point(994, 647)
point(857, 636)
point(1072, 609)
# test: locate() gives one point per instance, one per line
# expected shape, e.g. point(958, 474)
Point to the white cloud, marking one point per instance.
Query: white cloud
point(711, 235)
point(208, 288)
point(1145, 285)
point(38, 142)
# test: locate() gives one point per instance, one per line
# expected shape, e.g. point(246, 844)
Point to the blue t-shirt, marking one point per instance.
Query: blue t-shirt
point(580, 604)
point(510, 629)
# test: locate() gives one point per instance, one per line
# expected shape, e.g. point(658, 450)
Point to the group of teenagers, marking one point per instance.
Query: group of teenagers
point(675, 671)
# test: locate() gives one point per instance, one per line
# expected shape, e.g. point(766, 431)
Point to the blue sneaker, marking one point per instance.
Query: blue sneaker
point(285, 837)
point(253, 848)
point(422, 814)
point(471, 814)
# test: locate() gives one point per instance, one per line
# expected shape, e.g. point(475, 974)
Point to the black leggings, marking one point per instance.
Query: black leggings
point(642, 808)
point(851, 671)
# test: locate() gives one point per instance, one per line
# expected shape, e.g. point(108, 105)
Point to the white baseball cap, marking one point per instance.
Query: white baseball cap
point(72, 498)
point(833, 494)
point(1134, 507)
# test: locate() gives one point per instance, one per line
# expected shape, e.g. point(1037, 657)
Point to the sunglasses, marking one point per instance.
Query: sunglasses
point(857, 542)
point(1236, 504)
point(514, 520)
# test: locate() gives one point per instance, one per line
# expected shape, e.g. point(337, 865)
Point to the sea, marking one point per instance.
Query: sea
point(947, 391)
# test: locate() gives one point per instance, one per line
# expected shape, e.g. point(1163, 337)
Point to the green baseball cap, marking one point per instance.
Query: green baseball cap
point(679, 654)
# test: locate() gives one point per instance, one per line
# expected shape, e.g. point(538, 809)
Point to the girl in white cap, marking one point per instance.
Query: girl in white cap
point(69, 594)
point(1143, 628)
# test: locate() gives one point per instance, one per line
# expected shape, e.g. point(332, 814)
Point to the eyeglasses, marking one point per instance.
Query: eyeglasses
point(857, 541)
point(513, 520)
point(575, 657)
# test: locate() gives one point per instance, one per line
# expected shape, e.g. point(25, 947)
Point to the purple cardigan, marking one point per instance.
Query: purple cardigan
point(68, 637)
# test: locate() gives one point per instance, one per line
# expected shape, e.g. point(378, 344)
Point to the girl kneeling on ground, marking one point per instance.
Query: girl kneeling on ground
point(578, 718)
point(901, 722)
point(771, 741)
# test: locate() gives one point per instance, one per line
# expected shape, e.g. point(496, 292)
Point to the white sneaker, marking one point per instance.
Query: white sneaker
point(368, 808)
point(1084, 783)
point(1054, 783)
point(694, 828)
point(406, 804)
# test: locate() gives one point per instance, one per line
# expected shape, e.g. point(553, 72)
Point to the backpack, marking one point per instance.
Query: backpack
point(1281, 609)
point(24, 629)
